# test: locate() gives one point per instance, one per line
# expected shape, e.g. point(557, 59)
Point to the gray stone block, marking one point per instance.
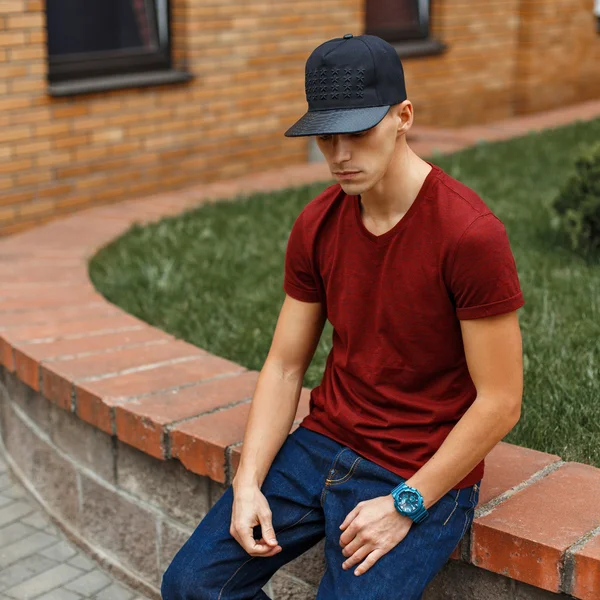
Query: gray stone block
point(25, 547)
point(309, 566)
point(14, 532)
point(114, 592)
point(288, 587)
point(89, 584)
point(44, 582)
point(85, 443)
point(55, 479)
point(172, 539)
point(82, 562)
point(60, 594)
point(33, 403)
point(13, 512)
point(37, 520)
point(5, 481)
point(24, 570)
point(460, 581)
point(52, 476)
point(524, 591)
point(17, 438)
point(165, 484)
point(118, 526)
point(61, 552)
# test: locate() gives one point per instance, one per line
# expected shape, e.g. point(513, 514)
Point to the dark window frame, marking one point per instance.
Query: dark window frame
point(411, 41)
point(394, 34)
point(88, 71)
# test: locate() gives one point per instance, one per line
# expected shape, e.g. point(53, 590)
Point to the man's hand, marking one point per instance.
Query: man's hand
point(372, 529)
point(251, 508)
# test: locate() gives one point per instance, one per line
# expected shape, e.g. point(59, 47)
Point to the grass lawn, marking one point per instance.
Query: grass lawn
point(213, 276)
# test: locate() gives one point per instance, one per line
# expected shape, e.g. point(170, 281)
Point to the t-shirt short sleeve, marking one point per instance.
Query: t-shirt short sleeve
point(483, 274)
point(300, 277)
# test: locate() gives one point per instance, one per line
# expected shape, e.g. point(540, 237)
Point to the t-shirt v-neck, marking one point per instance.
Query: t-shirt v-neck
point(391, 233)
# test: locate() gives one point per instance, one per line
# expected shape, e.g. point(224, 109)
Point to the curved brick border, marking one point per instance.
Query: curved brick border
point(171, 399)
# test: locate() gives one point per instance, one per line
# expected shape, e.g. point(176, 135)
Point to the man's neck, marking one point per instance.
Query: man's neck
point(389, 200)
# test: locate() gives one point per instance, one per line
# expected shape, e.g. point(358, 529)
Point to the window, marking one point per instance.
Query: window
point(98, 38)
point(403, 23)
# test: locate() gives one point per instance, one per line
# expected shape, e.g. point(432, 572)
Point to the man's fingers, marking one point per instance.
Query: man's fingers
point(257, 547)
point(268, 533)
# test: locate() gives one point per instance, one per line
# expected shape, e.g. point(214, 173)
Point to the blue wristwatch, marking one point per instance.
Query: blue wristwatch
point(409, 502)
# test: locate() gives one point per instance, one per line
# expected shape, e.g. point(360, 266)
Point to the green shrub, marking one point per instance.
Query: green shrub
point(578, 203)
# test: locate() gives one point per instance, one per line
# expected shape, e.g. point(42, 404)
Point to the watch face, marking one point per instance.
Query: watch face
point(408, 502)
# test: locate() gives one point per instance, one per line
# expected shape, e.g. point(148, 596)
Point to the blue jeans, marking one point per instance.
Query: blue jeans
point(313, 483)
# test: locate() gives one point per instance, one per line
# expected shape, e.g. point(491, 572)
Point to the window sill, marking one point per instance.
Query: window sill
point(114, 82)
point(426, 47)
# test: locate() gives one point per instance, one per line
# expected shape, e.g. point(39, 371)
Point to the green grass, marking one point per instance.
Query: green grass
point(213, 276)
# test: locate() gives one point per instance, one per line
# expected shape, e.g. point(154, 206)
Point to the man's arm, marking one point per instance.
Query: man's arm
point(493, 349)
point(275, 400)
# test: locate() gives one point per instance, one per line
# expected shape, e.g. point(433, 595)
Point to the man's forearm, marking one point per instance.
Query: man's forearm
point(272, 412)
point(477, 432)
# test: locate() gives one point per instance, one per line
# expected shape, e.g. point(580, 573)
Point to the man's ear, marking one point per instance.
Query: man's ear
point(405, 109)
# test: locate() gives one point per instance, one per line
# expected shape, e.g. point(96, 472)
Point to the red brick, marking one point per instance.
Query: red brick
point(526, 536)
point(93, 344)
point(200, 444)
point(507, 465)
point(27, 366)
point(95, 399)
point(58, 374)
point(33, 303)
point(73, 329)
point(586, 575)
point(141, 422)
point(10, 321)
point(7, 355)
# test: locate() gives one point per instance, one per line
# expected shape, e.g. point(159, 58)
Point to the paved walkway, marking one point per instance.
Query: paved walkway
point(36, 560)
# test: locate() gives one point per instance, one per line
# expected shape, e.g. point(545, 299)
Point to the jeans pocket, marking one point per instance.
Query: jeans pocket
point(470, 509)
point(453, 504)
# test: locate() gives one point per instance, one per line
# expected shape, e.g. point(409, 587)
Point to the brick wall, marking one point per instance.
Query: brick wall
point(559, 54)
point(63, 154)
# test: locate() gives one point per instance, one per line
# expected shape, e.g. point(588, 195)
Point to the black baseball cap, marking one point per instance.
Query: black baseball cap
point(350, 84)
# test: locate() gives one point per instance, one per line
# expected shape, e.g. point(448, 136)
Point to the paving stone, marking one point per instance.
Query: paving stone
point(9, 534)
point(57, 571)
point(15, 492)
point(114, 592)
point(59, 594)
point(25, 547)
point(14, 512)
point(37, 520)
point(23, 570)
point(44, 582)
point(90, 583)
point(60, 552)
point(81, 562)
point(51, 529)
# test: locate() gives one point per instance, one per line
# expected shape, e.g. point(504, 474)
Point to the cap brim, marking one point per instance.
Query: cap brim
point(346, 120)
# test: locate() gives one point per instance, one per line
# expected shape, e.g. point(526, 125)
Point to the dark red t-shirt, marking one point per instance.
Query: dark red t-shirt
point(396, 380)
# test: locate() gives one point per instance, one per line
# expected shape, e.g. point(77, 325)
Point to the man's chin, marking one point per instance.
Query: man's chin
point(351, 188)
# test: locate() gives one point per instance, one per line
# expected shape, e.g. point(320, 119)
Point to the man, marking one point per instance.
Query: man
point(417, 277)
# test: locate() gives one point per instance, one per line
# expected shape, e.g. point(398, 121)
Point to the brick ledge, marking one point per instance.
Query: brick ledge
point(121, 375)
